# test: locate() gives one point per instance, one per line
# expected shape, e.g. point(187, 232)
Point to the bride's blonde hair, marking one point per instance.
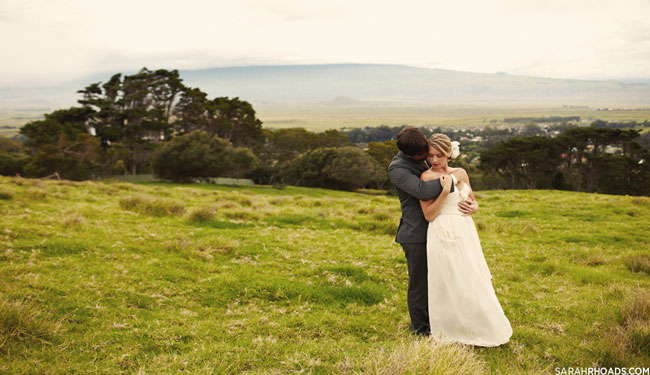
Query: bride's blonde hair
point(441, 143)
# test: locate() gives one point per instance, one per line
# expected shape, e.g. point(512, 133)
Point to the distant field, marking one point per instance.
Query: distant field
point(321, 117)
point(159, 278)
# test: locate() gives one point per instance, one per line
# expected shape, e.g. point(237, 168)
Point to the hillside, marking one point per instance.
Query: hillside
point(108, 277)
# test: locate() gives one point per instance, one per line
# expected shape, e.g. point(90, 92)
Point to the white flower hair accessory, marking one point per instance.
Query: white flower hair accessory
point(455, 149)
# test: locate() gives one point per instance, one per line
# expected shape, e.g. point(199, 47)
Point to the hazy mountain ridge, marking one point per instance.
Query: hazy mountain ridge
point(405, 84)
point(353, 85)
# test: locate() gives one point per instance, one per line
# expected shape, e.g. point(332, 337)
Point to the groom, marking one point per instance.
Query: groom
point(404, 172)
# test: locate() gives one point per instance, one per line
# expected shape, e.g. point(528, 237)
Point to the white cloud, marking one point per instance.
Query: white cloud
point(56, 40)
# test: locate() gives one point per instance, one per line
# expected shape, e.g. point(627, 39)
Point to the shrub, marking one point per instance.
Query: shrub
point(346, 168)
point(198, 154)
point(12, 163)
point(72, 159)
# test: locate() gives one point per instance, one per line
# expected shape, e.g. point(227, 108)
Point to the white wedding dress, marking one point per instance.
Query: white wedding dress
point(463, 307)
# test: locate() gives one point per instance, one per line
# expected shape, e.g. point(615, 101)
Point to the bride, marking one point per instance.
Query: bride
point(463, 307)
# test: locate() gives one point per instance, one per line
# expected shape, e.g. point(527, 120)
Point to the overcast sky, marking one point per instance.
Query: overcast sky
point(50, 41)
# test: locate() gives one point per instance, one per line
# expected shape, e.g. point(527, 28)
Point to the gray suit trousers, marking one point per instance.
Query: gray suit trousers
point(417, 297)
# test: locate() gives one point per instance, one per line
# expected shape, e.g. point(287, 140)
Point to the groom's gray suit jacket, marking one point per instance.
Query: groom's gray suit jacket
point(404, 173)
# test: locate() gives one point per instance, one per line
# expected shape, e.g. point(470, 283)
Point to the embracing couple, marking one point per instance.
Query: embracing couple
point(450, 293)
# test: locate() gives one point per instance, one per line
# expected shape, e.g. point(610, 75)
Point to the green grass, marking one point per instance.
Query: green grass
point(156, 278)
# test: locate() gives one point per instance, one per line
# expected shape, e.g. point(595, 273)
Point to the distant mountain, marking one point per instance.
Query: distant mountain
point(354, 85)
point(406, 85)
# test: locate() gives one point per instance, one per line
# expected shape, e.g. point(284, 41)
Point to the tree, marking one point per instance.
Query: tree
point(235, 120)
point(192, 112)
point(351, 168)
point(135, 110)
point(64, 122)
point(198, 154)
point(283, 145)
point(346, 168)
point(73, 160)
point(333, 138)
point(529, 162)
point(582, 145)
point(373, 134)
point(382, 153)
point(12, 157)
point(106, 106)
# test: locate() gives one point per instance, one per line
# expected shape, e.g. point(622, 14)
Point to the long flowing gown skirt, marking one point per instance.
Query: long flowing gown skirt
point(463, 306)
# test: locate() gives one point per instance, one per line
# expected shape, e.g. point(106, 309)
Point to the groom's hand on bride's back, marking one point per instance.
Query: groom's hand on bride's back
point(468, 206)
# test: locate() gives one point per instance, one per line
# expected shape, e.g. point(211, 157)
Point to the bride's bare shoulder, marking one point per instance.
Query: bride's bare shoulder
point(459, 172)
point(429, 175)
point(461, 175)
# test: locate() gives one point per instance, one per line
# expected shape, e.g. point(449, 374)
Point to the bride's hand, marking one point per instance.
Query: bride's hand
point(445, 181)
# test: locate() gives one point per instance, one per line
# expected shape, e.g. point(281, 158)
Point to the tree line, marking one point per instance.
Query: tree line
point(589, 159)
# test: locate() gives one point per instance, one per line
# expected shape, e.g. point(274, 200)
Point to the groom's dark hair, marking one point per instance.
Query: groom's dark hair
point(412, 141)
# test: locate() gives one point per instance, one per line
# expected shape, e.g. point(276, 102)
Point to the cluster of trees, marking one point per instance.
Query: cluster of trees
point(620, 125)
point(542, 119)
point(328, 159)
point(151, 122)
point(122, 122)
point(490, 135)
point(590, 159)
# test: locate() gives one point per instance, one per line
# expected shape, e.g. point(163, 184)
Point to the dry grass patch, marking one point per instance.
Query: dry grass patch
point(242, 200)
point(226, 204)
point(152, 206)
point(242, 215)
point(19, 181)
point(35, 194)
point(641, 201)
point(280, 201)
point(638, 263)
point(22, 322)
point(201, 214)
point(631, 338)
point(128, 187)
point(423, 356)
point(205, 249)
point(383, 216)
point(590, 259)
point(38, 184)
point(636, 309)
point(73, 219)
point(6, 194)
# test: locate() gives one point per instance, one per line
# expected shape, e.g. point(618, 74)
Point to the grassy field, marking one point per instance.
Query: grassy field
point(322, 117)
point(319, 118)
point(157, 278)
